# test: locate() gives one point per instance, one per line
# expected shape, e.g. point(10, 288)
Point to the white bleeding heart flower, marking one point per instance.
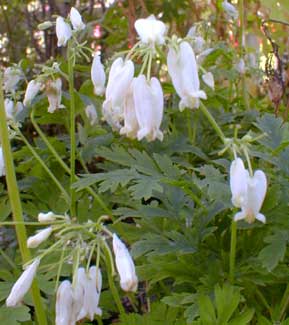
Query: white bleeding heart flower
point(90, 112)
point(40, 237)
point(12, 76)
point(63, 307)
point(119, 80)
point(125, 265)
point(256, 192)
point(238, 182)
point(76, 19)
point(240, 66)
point(208, 79)
point(183, 69)
point(150, 30)
point(98, 75)
point(12, 109)
point(230, 10)
point(2, 163)
point(54, 94)
point(149, 107)
point(91, 284)
point(32, 90)
point(63, 31)
point(22, 285)
point(131, 125)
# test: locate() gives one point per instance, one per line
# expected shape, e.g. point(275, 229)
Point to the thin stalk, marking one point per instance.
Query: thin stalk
point(71, 62)
point(284, 303)
point(42, 163)
point(242, 50)
point(233, 251)
point(63, 164)
point(213, 122)
point(149, 66)
point(16, 207)
point(263, 300)
point(189, 126)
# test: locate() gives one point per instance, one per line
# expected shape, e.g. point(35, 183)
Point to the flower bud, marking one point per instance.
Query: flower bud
point(63, 31)
point(46, 217)
point(41, 236)
point(208, 79)
point(45, 25)
point(32, 90)
point(125, 265)
point(22, 285)
point(91, 114)
point(76, 19)
point(98, 75)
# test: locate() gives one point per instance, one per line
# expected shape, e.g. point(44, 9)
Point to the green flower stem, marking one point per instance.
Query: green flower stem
point(99, 320)
point(189, 126)
point(63, 164)
point(70, 59)
point(213, 122)
point(241, 30)
point(48, 144)
point(284, 303)
point(42, 163)
point(233, 251)
point(16, 207)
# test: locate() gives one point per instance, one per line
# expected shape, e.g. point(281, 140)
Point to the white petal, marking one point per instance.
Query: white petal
point(64, 301)
point(40, 237)
point(261, 217)
point(76, 19)
point(257, 187)
point(63, 31)
point(239, 216)
point(98, 75)
point(208, 79)
point(46, 217)
point(91, 114)
point(238, 182)
point(2, 163)
point(32, 90)
point(124, 265)
point(150, 30)
point(22, 285)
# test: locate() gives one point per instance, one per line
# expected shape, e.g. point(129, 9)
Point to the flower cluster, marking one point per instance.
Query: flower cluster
point(79, 299)
point(248, 191)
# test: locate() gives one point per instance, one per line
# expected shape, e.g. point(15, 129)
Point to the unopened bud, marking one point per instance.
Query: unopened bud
point(45, 25)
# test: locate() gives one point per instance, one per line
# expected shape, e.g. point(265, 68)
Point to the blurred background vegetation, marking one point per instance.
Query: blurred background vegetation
point(111, 23)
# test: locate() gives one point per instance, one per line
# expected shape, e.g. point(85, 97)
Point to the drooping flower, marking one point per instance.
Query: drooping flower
point(76, 19)
point(91, 283)
point(238, 182)
point(150, 30)
point(240, 66)
point(149, 106)
point(131, 125)
point(208, 79)
point(40, 237)
point(63, 308)
point(183, 69)
point(12, 109)
point(120, 77)
point(2, 163)
point(54, 94)
point(98, 75)
point(63, 31)
point(12, 76)
point(125, 265)
point(256, 192)
point(230, 10)
point(46, 217)
point(32, 90)
point(9, 108)
point(22, 285)
point(91, 114)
